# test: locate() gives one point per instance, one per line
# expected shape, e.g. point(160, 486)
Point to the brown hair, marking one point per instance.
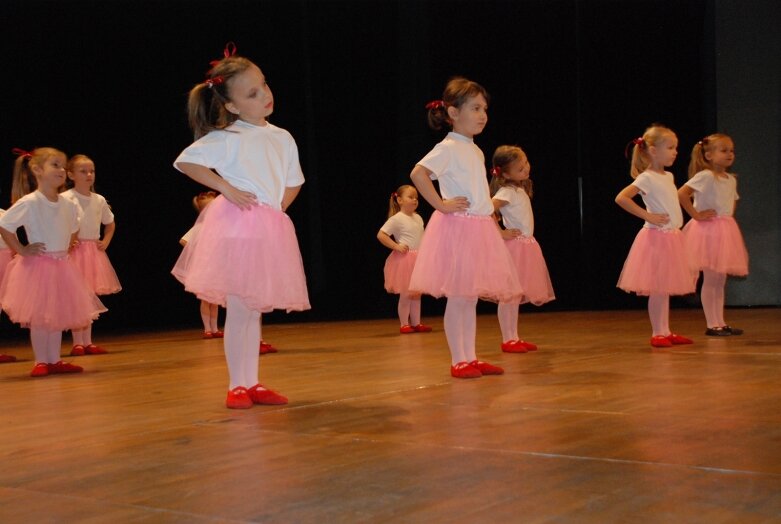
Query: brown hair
point(23, 180)
point(201, 200)
point(393, 204)
point(503, 157)
point(457, 91)
point(652, 136)
point(698, 161)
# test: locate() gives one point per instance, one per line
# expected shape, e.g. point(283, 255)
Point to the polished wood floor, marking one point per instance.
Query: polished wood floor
point(594, 427)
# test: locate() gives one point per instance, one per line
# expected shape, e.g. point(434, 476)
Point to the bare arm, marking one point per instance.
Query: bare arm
point(12, 241)
point(685, 198)
point(210, 179)
point(507, 234)
point(625, 199)
point(108, 234)
point(386, 240)
point(290, 194)
point(420, 177)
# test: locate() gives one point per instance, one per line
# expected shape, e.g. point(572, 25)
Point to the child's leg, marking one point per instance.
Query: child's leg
point(214, 311)
point(659, 313)
point(78, 337)
point(414, 311)
point(712, 297)
point(54, 346)
point(86, 334)
point(470, 329)
point(508, 320)
point(404, 310)
point(206, 316)
point(241, 352)
point(460, 321)
point(40, 341)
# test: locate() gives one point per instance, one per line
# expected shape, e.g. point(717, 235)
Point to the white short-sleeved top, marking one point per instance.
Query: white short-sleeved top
point(52, 223)
point(405, 229)
point(3, 245)
point(94, 212)
point(660, 196)
point(714, 192)
point(459, 167)
point(517, 213)
point(260, 159)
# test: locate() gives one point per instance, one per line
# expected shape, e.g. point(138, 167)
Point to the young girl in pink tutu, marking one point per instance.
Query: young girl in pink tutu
point(512, 191)
point(658, 264)
point(462, 255)
point(41, 288)
point(713, 237)
point(6, 254)
point(89, 254)
point(246, 255)
point(402, 233)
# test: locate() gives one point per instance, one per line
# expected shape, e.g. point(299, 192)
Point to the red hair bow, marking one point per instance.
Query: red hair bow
point(435, 104)
point(639, 142)
point(217, 80)
point(21, 152)
point(230, 50)
point(496, 171)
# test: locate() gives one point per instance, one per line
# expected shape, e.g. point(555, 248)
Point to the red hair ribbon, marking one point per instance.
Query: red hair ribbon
point(217, 80)
point(639, 142)
point(496, 171)
point(435, 104)
point(395, 195)
point(22, 153)
point(230, 50)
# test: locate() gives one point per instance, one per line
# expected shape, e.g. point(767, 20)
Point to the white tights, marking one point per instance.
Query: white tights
point(409, 310)
point(82, 337)
point(461, 328)
point(46, 345)
point(242, 340)
point(209, 314)
point(659, 313)
point(508, 320)
point(712, 297)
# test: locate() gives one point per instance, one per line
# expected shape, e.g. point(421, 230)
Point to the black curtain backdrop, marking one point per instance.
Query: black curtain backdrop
point(570, 81)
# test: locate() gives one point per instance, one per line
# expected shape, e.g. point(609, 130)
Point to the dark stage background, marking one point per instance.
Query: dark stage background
point(571, 82)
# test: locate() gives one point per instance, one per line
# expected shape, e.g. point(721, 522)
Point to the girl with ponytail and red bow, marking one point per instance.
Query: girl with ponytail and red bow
point(462, 256)
point(658, 264)
point(246, 256)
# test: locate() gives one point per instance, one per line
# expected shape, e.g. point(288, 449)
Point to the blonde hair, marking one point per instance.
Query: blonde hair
point(393, 204)
point(457, 91)
point(72, 161)
point(652, 137)
point(698, 161)
point(201, 200)
point(23, 181)
point(503, 157)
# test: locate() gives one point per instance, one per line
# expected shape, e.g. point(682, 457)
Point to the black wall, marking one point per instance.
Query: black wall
point(571, 82)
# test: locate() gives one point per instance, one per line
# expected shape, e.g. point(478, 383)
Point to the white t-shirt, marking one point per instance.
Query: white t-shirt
point(517, 213)
point(3, 245)
point(52, 223)
point(260, 159)
point(95, 211)
point(712, 192)
point(407, 230)
point(459, 166)
point(660, 196)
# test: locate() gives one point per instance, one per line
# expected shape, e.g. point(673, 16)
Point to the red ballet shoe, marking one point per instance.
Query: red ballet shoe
point(218, 334)
point(660, 341)
point(41, 369)
point(7, 358)
point(77, 351)
point(421, 328)
point(465, 370)
point(92, 349)
point(679, 339)
point(406, 329)
point(265, 347)
point(514, 346)
point(486, 368)
point(61, 367)
point(208, 334)
point(262, 395)
point(238, 398)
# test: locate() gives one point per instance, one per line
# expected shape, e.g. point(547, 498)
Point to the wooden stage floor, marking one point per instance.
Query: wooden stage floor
point(594, 427)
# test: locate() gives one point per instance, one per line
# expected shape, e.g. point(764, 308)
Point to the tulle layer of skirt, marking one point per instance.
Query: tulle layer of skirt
point(658, 263)
point(532, 270)
point(252, 254)
point(718, 245)
point(48, 292)
point(464, 256)
point(398, 271)
point(5, 258)
point(96, 268)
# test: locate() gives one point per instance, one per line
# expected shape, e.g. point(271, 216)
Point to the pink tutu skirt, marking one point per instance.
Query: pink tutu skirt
point(464, 256)
point(398, 271)
point(717, 244)
point(95, 267)
point(658, 264)
point(48, 292)
point(5, 258)
point(532, 270)
point(252, 254)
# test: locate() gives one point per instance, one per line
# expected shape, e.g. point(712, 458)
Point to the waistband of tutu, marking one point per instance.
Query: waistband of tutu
point(660, 230)
point(56, 255)
point(82, 240)
point(525, 240)
point(466, 214)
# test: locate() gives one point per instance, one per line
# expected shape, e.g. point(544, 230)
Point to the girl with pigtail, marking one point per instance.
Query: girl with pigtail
point(402, 233)
point(658, 264)
point(41, 288)
point(712, 236)
point(246, 256)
